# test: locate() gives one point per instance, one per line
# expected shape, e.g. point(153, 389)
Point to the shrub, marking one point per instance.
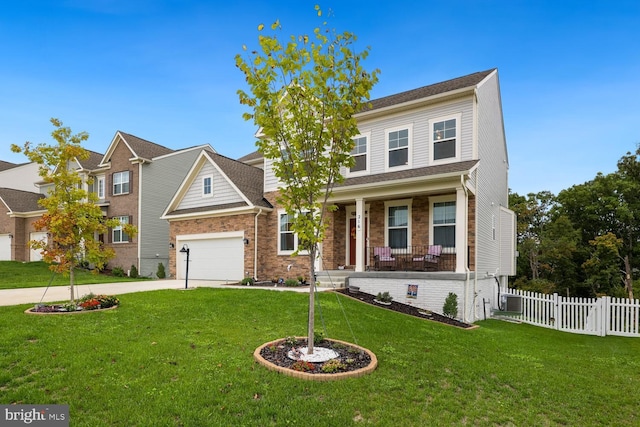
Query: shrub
point(160, 271)
point(291, 283)
point(384, 296)
point(450, 307)
point(318, 337)
point(248, 281)
point(133, 272)
point(333, 365)
point(303, 366)
point(118, 272)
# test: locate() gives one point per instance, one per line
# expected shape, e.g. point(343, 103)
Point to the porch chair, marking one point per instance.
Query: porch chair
point(383, 258)
point(432, 258)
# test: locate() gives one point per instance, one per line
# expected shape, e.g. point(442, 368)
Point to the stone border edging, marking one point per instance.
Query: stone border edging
point(317, 377)
point(28, 311)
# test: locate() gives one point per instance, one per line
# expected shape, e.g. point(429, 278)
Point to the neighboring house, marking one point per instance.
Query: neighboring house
point(19, 176)
point(134, 181)
point(426, 204)
point(18, 211)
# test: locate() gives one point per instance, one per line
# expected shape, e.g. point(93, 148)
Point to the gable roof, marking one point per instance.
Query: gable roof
point(91, 162)
point(6, 165)
point(18, 201)
point(140, 149)
point(247, 180)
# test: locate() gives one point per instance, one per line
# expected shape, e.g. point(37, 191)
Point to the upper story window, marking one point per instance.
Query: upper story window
point(207, 186)
point(398, 224)
point(121, 183)
point(399, 147)
point(360, 154)
point(118, 234)
point(443, 219)
point(445, 137)
point(99, 185)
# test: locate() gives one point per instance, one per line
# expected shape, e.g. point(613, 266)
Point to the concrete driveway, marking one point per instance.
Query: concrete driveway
point(61, 293)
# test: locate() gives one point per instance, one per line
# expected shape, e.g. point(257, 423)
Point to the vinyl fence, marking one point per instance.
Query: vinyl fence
point(593, 316)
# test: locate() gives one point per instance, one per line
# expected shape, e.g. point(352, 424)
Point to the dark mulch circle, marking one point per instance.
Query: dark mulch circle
point(406, 309)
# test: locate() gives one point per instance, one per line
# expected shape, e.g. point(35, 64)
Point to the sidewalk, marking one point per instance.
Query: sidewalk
point(61, 293)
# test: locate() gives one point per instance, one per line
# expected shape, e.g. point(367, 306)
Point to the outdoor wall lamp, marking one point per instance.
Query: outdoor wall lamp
point(246, 241)
point(185, 250)
point(171, 245)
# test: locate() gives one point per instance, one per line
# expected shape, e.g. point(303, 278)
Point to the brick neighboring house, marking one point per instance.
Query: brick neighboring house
point(423, 212)
point(18, 211)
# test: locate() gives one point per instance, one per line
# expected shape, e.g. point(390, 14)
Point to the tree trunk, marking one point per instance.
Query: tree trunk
point(628, 278)
point(312, 288)
point(71, 282)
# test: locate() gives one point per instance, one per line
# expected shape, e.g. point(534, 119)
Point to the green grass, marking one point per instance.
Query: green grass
point(16, 274)
point(172, 358)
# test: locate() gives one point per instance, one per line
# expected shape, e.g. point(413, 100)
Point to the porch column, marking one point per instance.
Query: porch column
point(462, 228)
point(360, 234)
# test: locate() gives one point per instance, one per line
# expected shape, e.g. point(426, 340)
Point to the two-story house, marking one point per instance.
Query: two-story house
point(423, 212)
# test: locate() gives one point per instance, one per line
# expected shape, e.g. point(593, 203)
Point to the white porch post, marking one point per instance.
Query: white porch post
point(462, 226)
point(360, 219)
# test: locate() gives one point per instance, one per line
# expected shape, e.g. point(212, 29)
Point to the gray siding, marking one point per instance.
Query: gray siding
point(160, 181)
point(492, 186)
point(223, 192)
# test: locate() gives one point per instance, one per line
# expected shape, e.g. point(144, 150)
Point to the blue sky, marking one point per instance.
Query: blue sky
point(164, 71)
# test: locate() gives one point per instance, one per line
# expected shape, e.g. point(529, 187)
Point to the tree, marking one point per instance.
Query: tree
point(72, 218)
point(304, 95)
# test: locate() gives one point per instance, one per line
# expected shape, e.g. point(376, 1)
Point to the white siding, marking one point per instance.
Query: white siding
point(21, 177)
point(492, 187)
point(223, 191)
point(507, 242)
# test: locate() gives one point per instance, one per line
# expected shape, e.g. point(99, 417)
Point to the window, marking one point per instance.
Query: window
point(207, 186)
point(119, 236)
point(398, 223)
point(100, 187)
point(444, 224)
point(288, 241)
point(359, 154)
point(445, 138)
point(121, 182)
point(287, 237)
point(398, 147)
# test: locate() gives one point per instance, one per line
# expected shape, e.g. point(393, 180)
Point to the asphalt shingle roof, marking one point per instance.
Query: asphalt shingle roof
point(6, 165)
point(143, 148)
point(21, 201)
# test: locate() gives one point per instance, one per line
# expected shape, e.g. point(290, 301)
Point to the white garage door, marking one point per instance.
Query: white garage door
point(5, 247)
point(35, 255)
point(219, 258)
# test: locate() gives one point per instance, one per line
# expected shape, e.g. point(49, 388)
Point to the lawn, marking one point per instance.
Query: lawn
point(184, 358)
point(16, 274)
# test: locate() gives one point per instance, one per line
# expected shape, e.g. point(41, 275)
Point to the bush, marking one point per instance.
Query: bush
point(160, 271)
point(450, 307)
point(384, 296)
point(133, 272)
point(248, 281)
point(291, 282)
point(118, 272)
point(332, 366)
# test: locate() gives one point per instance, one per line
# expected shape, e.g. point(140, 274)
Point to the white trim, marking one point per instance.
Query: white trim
point(394, 203)
point(202, 181)
point(101, 179)
point(120, 228)
point(295, 238)
point(203, 236)
point(367, 169)
point(457, 157)
point(409, 128)
point(126, 173)
point(348, 211)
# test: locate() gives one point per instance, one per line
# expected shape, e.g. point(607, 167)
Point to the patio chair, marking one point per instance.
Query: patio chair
point(431, 260)
point(383, 259)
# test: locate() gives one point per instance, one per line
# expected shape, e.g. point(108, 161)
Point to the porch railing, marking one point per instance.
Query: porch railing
point(412, 258)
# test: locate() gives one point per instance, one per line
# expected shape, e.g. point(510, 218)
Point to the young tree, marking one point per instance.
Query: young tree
point(72, 219)
point(304, 94)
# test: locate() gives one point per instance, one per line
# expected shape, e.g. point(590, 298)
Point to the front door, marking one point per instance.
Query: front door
point(352, 240)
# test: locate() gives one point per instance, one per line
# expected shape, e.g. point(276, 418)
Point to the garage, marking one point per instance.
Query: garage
point(5, 247)
point(214, 256)
point(36, 255)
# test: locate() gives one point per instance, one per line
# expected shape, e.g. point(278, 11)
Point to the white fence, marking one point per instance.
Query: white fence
point(594, 316)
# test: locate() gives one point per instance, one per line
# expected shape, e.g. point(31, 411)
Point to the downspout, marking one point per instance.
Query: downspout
point(466, 265)
point(255, 245)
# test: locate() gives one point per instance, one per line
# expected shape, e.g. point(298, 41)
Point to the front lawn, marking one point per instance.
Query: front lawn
point(184, 358)
point(16, 274)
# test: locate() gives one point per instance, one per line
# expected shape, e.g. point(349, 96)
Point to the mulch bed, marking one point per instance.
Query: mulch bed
point(406, 309)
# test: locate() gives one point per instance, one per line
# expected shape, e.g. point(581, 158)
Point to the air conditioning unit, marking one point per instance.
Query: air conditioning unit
point(511, 303)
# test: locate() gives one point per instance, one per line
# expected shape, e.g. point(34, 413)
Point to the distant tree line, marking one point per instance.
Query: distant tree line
point(584, 241)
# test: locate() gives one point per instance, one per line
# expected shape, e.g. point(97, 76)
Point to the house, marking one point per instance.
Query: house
point(133, 180)
point(423, 212)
